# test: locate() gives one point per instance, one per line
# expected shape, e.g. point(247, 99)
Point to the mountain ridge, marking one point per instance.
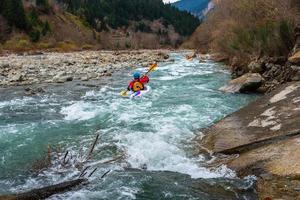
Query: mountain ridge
point(198, 8)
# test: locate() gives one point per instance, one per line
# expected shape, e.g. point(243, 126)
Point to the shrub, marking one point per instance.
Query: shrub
point(243, 28)
point(34, 35)
point(17, 44)
point(45, 45)
point(87, 47)
point(66, 46)
point(127, 45)
point(45, 28)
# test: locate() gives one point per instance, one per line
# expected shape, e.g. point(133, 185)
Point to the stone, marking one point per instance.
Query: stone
point(17, 78)
point(217, 57)
point(84, 78)
point(62, 79)
point(2, 78)
point(295, 59)
point(262, 139)
point(33, 91)
point(249, 82)
point(296, 74)
point(256, 66)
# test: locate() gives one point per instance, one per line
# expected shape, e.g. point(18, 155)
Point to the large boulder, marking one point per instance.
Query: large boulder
point(249, 82)
point(295, 59)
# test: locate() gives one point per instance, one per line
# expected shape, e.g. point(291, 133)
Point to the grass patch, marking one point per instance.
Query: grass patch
point(87, 47)
point(45, 45)
point(66, 46)
point(17, 44)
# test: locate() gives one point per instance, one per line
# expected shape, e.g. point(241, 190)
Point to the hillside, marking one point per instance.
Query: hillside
point(258, 36)
point(239, 28)
point(196, 7)
point(70, 25)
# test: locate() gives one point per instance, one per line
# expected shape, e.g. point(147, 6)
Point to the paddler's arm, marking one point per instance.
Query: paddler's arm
point(144, 79)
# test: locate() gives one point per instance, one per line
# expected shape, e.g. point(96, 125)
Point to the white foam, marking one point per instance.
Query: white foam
point(79, 111)
point(16, 102)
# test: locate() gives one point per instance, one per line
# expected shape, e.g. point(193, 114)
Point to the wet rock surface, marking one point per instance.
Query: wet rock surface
point(63, 67)
point(266, 137)
point(247, 83)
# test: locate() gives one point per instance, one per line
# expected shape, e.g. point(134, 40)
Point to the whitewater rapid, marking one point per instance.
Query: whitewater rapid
point(154, 132)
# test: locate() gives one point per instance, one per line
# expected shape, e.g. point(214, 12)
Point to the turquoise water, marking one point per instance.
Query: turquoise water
point(153, 132)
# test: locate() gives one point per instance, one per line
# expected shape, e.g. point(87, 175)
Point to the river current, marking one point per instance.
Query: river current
point(154, 134)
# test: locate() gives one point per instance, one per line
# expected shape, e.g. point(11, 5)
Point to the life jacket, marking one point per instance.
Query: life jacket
point(138, 84)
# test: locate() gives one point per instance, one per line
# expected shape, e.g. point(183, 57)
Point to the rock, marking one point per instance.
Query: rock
point(108, 74)
point(295, 59)
point(263, 89)
point(56, 67)
point(281, 60)
point(17, 78)
point(262, 139)
point(33, 91)
point(296, 74)
point(2, 78)
point(84, 78)
point(62, 79)
point(166, 56)
point(237, 72)
point(256, 66)
point(249, 82)
point(217, 57)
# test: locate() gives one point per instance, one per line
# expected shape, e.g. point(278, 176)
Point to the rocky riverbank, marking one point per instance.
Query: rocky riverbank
point(62, 67)
point(262, 139)
point(262, 74)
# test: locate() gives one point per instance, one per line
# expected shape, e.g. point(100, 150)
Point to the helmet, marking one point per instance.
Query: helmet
point(136, 75)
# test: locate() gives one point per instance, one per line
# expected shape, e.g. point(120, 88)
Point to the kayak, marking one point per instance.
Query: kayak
point(141, 93)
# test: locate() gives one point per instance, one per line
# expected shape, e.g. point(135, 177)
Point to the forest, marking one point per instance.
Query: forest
point(101, 15)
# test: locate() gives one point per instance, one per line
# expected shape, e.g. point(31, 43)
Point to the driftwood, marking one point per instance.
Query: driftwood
point(45, 192)
point(65, 160)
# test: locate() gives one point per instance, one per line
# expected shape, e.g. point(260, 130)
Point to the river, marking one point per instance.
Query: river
point(154, 133)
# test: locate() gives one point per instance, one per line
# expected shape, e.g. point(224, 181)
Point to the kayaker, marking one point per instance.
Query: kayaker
point(138, 82)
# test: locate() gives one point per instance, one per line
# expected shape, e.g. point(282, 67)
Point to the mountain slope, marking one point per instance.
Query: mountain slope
point(196, 7)
point(110, 24)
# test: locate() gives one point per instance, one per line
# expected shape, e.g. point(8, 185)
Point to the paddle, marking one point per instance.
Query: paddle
point(151, 68)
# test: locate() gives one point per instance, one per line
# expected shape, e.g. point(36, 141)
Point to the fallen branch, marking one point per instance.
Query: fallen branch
point(84, 171)
point(105, 174)
point(93, 147)
point(64, 160)
point(45, 192)
point(92, 172)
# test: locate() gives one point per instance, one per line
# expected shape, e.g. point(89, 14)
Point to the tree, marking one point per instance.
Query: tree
point(14, 13)
point(43, 5)
point(118, 13)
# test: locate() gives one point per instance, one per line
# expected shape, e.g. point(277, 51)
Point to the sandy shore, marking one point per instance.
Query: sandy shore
point(62, 67)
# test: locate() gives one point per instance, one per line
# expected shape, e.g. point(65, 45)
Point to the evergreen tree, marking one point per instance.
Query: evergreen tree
point(118, 13)
point(14, 13)
point(43, 5)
